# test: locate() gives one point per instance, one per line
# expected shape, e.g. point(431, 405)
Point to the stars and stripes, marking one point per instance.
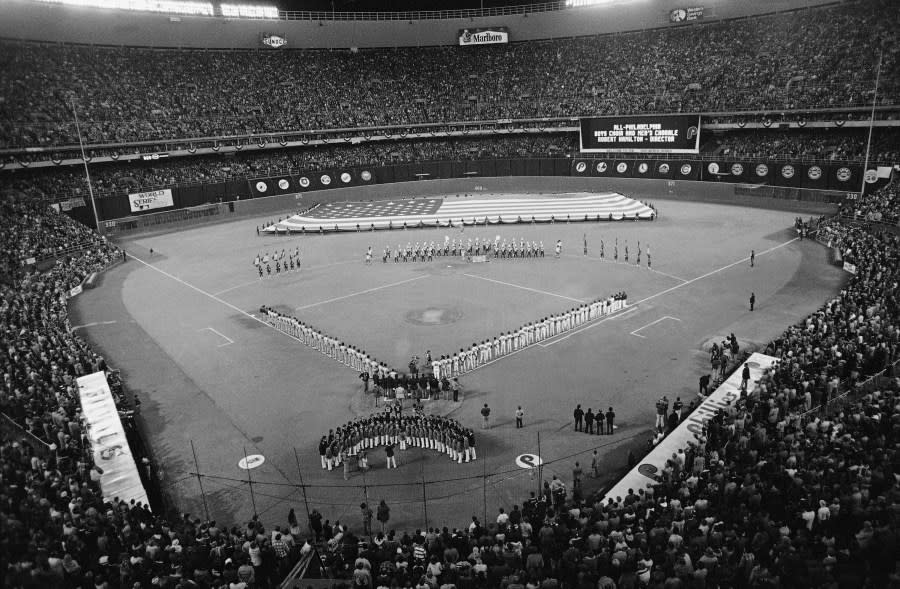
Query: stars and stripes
point(346, 216)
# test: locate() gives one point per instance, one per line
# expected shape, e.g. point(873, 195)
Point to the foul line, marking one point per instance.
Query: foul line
point(223, 336)
point(635, 332)
point(92, 324)
point(204, 293)
point(353, 294)
point(677, 286)
point(544, 292)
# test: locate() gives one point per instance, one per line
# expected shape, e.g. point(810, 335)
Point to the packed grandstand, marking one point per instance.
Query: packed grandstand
point(793, 487)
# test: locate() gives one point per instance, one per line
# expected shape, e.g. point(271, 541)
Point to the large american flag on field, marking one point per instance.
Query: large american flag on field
point(430, 212)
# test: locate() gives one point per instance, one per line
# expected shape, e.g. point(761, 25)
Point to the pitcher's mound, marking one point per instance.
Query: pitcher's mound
point(433, 316)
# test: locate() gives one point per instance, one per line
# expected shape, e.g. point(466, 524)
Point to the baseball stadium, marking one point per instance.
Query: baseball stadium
point(579, 294)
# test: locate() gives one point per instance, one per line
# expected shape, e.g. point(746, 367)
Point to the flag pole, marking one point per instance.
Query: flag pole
point(87, 173)
point(871, 123)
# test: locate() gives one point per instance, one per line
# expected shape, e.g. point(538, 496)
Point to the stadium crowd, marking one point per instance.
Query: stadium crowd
point(882, 206)
point(807, 59)
point(770, 495)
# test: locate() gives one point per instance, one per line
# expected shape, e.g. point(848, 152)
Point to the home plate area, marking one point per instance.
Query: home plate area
point(448, 211)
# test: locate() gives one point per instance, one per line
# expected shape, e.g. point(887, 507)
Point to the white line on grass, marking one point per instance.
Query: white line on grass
point(204, 293)
point(353, 294)
point(636, 334)
point(552, 294)
point(218, 333)
point(677, 286)
point(93, 324)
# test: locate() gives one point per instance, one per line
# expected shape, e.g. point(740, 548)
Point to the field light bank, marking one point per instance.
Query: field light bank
point(175, 7)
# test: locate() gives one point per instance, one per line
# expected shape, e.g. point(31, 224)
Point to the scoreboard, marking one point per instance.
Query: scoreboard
point(643, 134)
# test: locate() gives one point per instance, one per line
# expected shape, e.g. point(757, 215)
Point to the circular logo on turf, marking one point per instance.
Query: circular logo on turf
point(871, 176)
point(642, 168)
point(621, 167)
point(713, 168)
point(325, 179)
point(787, 171)
point(261, 187)
point(686, 169)
point(843, 174)
point(304, 182)
point(602, 167)
point(528, 461)
point(345, 178)
point(366, 175)
point(737, 169)
point(580, 167)
point(762, 170)
point(663, 168)
point(251, 462)
point(284, 184)
point(814, 172)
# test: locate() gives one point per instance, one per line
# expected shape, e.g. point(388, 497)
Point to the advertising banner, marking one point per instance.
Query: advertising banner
point(622, 168)
point(663, 169)
point(788, 175)
point(815, 176)
point(275, 41)
point(147, 201)
point(686, 14)
point(602, 168)
point(845, 178)
point(717, 172)
point(487, 36)
point(687, 170)
point(581, 167)
point(642, 169)
point(273, 186)
point(647, 473)
point(650, 133)
point(119, 476)
point(759, 173)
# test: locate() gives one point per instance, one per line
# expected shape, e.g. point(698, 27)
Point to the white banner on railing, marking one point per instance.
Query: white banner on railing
point(647, 472)
point(488, 36)
point(145, 201)
point(120, 477)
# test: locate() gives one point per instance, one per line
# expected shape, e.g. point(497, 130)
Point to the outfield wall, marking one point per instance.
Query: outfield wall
point(824, 183)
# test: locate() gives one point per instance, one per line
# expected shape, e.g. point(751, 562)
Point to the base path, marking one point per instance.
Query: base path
point(431, 212)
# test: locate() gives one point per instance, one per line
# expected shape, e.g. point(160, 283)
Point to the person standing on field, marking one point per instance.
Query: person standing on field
point(367, 518)
point(520, 416)
point(485, 415)
point(384, 514)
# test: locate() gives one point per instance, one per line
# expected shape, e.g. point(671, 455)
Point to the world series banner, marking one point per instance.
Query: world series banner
point(641, 134)
point(147, 201)
point(119, 475)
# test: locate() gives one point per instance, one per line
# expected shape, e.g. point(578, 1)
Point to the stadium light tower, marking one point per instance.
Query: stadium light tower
point(87, 173)
point(862, 187)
